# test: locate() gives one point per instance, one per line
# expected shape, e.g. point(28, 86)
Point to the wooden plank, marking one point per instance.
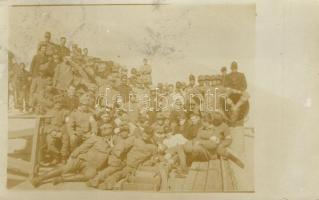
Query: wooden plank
point(214, 179)
point(19, 165)
point(145, 173)
point(176, 184)
point(35, 149)
point(201, 178)
point(16, 177)
point(189, 180)
point(229, 183)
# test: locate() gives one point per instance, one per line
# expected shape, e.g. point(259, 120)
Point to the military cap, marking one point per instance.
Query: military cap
point(223, 69)
point(178, 84)
point(201, 78)
point(234, 65)
point(47, 34)
point(191, 77)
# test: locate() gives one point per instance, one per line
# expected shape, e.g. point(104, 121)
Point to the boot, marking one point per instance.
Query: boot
point(37, 181)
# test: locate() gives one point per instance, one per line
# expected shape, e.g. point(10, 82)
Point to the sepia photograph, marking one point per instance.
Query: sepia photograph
point(131, 97)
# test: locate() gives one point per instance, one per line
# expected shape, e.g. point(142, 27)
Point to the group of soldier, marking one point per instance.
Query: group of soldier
point(100, 128)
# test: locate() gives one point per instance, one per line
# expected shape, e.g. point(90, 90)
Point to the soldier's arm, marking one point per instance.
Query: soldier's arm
point(84, 147)
point(70, 122)
point(93, 125)
point(243, 82)
point(227, 140)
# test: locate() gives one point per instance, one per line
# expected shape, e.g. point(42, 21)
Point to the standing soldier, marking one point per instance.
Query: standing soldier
point(223, 72)
point(146, 73)
point(236, 80)
point(81, 123)
point(62, 49)
point(51, 48)
point(21, 86)
point(37, 60)
point(63, 75)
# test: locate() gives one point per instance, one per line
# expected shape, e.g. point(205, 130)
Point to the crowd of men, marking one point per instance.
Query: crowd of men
point(103, 121)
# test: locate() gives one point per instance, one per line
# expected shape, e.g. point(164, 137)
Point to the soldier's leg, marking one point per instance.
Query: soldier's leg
point(85, 174)
point(109, 182)
point(74, 141)
point(51, 146)
point(102, 175)
point(65, 140)
point(182, 151)
point(70, 166)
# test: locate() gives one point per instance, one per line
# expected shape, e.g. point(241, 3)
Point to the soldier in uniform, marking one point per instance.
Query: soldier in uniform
point(63, 75)
point(57, 142)
point(62, 50)
point(140, 150)
point(84, 161)
point(81, 123)
point(146, 73)
point(116, 159)
point(51, 48)
point(212, 139)
point(37, 60)
point(38, 89)
point(159, 127)
point(223, 72)
point(21, 87)
point(236, 80)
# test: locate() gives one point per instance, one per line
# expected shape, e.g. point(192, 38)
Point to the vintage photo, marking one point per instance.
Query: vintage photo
point(140, 97)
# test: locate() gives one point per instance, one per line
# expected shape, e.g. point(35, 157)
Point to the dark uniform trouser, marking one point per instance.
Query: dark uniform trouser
point(20, 96)
point(52, 145)
point(194, 152)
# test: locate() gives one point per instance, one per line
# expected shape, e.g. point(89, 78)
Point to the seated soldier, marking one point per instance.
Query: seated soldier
point(56, 139)
point(158, 127)
point(84, 161)
point(212, 139)
point(140, 150)
point(81, 123)
point(116, 159)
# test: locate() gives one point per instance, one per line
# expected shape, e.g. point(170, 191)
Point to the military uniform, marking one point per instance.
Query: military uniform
point(208, 142)
point(56, 132)
point(63, 76)
point(140, 151)
point(21, 84)
point(87, 159)
point(81, 124)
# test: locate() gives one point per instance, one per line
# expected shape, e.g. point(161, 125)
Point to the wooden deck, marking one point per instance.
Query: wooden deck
point(213, 176)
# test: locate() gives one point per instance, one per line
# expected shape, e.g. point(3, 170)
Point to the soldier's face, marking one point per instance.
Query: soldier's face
point(47, 38)
point(124, 134)
point(192, 82)
point(63, 41)
point(146, 136)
